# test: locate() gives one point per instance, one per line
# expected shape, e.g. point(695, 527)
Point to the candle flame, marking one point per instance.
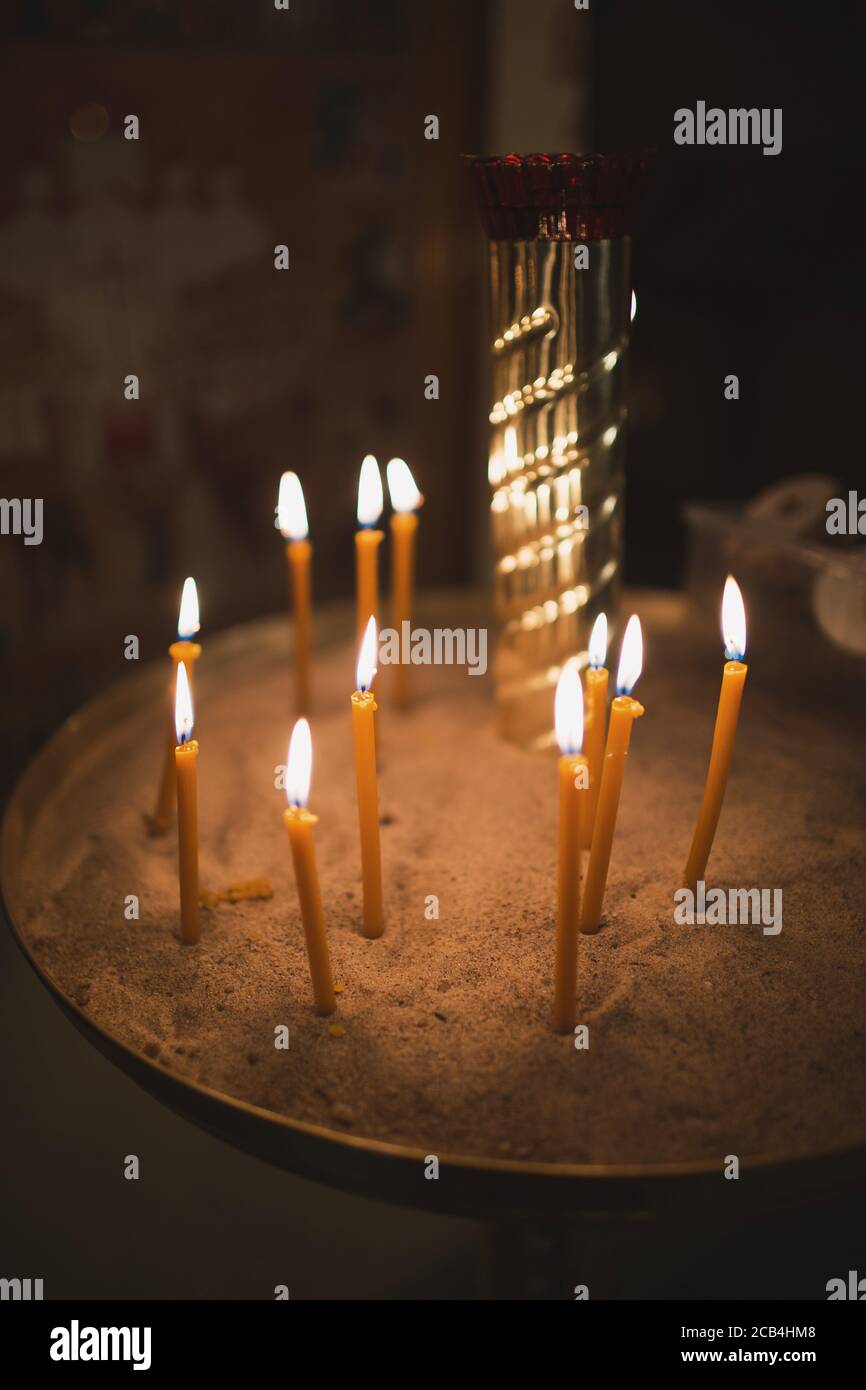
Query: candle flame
point(291, 508)
point(630, 657)
point(183, 706)
point(366, 669)
point(370, 495)
point(299, 769)
point(188, 618)
point(598, 642)
point(568, 709)
point(405, 496)
point(733, 620)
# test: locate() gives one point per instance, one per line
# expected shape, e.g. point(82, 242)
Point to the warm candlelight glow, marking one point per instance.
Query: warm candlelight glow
point(568, 710)
point(370, 495)
point(366, 668)
point(405, 500)
point(733, 620)
point(291, 508)
point(187, 651)
point(368, 538)
point(724, 734)
point(597, 678)
point(299, 823)
point(364, 732)
point(623, 712)
point(402, 488)
point(183, 706)
point(292, 521)
point(630, 657)
point(188, 618)
point(299, 769)
point(598, 642)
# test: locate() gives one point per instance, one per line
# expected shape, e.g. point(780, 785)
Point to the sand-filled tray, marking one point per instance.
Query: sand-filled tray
point(705, 1041)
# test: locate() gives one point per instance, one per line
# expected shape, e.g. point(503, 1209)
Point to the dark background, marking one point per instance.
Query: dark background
point(156, 257)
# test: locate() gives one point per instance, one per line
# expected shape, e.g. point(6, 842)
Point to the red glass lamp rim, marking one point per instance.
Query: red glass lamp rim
point(558, 197)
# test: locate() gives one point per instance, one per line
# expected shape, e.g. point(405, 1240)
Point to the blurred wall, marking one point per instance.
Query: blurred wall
point(306, 127)
point(155, 257)
point(744, 263)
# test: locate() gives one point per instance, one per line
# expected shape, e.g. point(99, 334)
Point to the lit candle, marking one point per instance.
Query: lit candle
point(623, 712)
point(292, 521)
point(405, 500)
point(187, 651)
point(363, 711)
point(367, 542)
point(299, 823)
point(186, 758)
point(733, 680)
point(596, 719)
point(573, 799)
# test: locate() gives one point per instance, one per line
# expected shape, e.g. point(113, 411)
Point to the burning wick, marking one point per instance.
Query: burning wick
point(596, 720)
point(364, 730)
point(292, 521)
point(724, 734)
point(185, 651)
point(367, 541)
point(406, 500)
point(299, 823)
point(623, 712)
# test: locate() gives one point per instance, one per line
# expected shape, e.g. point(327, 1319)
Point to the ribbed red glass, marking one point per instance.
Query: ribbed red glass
point(558, 197)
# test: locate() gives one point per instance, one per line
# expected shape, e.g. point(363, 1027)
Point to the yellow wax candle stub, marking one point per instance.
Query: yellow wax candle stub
point(724, 736)
point(299, 823)
point(573, 797)
point(623, 712)
point(363, 710)
point(186, 757)
point(298, 554)
point(247, 890)
point(367, 544)
point(159, 822)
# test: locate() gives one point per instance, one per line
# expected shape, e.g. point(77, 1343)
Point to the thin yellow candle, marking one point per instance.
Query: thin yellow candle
point(187, 651)
point(724, 734)
point(186, 760)
point(623, 712)
point(367, 541)
point(364, 729)
point(299, 823)
point(405, 500)
point(596, 719)
point(573, 797)
point(292, 521)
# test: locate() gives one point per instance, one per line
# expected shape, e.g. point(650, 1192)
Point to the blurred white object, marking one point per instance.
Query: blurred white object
point(791, 508)
point(807, 588)
point(839, 604)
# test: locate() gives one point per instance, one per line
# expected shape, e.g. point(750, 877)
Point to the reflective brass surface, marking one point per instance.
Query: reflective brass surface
point(559, 356)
